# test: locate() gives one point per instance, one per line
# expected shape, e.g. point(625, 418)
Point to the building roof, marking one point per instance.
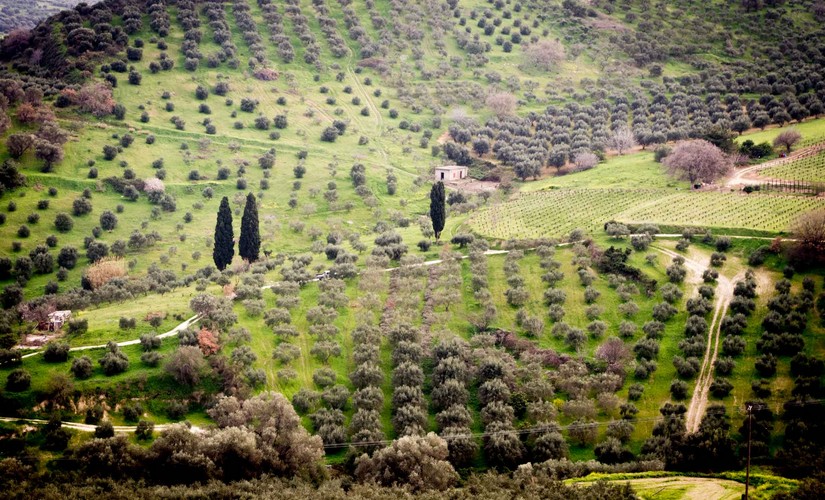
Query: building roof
point(59, 314)
point(450, 167)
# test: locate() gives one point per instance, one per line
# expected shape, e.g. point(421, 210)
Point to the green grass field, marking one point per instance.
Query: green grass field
point(812, 131)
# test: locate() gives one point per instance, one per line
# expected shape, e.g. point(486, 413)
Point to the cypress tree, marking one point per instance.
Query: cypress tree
point(250, 243)
point(438, 213)
point(224, 237)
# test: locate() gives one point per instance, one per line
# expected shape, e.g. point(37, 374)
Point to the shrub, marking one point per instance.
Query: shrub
point(151, 358)
point(104, 430)
point(114, 361)
point(82, 367)
point(105, 269)
point(77, 326)
point(81, 206)
point(56, 352)
point(144, 430)
point(678, 390)
point(18, 380)
point(720, 387)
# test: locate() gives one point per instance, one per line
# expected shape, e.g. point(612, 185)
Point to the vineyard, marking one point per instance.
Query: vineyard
point(809, 169)
point(556, 213)
point(723, 210)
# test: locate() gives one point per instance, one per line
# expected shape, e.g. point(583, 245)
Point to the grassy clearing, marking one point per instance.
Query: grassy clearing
point(812, 131)
point(763, 485)
point(630, 171)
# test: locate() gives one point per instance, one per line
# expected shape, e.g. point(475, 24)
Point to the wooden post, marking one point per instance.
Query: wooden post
point(749, 407)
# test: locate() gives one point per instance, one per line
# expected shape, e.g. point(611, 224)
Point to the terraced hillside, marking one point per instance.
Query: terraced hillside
point(556, 320)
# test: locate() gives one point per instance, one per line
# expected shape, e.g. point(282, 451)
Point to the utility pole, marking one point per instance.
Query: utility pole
point(749, 408)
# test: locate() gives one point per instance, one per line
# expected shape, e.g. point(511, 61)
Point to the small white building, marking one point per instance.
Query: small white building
point(450, 173)
point(57, 319)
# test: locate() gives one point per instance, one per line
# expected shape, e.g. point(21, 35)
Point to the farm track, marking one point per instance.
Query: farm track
point(723, 296)
point(89, 427)
point(689, 488)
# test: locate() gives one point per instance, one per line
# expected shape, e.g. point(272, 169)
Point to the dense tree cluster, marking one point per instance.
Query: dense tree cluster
point(278, 37)
point(368, 399)
point(450, 397)
point(329, 27)
point(300, 23)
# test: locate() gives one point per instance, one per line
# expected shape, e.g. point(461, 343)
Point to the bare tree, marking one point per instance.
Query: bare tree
point(622, 139)
point(545, 55)
point(697, 161)
point(787, 139)
point(613, 351)
point(502, 103)
point(585, 161)
point(809, 229)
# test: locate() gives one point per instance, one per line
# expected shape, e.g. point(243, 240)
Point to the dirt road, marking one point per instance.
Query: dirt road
point(722, 298)
point(690, 488)
point(89, 427)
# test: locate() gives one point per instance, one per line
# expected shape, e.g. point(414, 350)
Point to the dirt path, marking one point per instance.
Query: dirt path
point(89, 427)
point(699, 401)
point(691, 488)
point(171, 333)
point(723, 296)
point(749, 175)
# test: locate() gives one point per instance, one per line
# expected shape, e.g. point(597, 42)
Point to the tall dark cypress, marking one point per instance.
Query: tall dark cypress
point(224, 237)
point(438, 213)
point(250, 243)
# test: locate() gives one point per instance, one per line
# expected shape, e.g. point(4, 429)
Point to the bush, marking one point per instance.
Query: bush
point(678, 390)
point(329, 134)
point(77, 326)
point(766, 365)
point(114, 361)
point(18, 380)
point(56, 352)
point(104, 430)
point(758, 256)
point(144, 430)
point(132, 412)
point(724, 366)
point(720, 387)
point(82, 367)
point(80, 206)
point(151, 358)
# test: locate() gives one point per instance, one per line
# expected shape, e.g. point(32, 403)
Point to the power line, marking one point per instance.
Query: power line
point(473, 435)
point(542, 428)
